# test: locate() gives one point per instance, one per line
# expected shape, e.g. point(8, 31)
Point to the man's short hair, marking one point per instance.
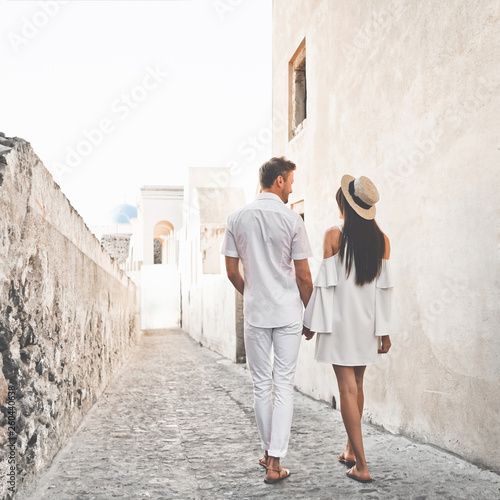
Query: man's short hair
point(273, 168)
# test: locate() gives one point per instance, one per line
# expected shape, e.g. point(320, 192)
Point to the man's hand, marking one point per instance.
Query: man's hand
point(385, 345)
point(307, 333)
point(304, 280)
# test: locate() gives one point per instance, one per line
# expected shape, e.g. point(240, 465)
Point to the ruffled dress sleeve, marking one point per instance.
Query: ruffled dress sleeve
point(384, 315)
point(318, 315)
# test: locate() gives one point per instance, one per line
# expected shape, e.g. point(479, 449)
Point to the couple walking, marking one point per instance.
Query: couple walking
point(348, 307)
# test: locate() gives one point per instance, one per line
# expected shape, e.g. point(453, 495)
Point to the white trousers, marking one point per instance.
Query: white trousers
point(273, 415)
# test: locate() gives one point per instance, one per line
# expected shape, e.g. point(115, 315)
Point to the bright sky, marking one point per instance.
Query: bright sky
point(117, 94)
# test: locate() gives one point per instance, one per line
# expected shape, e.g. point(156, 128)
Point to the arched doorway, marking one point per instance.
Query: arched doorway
point(160, 281)
point(164, 245)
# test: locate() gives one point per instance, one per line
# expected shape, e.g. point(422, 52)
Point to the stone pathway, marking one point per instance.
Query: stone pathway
point(177, 423)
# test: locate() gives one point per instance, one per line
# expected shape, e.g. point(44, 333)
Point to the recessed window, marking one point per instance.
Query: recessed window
point(297, 91)
point(157, 251)
point(298, 207)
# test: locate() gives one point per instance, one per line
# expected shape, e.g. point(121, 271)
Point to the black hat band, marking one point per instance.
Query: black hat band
point(357, 200)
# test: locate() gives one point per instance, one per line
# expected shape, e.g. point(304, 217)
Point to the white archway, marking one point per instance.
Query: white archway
point(164, 244)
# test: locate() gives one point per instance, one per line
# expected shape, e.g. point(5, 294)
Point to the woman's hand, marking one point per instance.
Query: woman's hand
point(385, 345)
point(307, 333)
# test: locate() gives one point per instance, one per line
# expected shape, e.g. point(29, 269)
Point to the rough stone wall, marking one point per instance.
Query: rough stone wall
point(68, 315)
point(117, 245)
point(408, 94)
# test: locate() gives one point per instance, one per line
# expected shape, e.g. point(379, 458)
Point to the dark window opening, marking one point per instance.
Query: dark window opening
point(298, 207)
point(157, 251)
point(297, 91)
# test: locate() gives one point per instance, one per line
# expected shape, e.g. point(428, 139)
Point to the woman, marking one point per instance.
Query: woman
point(350, 308)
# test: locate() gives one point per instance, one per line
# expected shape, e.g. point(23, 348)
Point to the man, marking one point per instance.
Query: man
point(266, 235)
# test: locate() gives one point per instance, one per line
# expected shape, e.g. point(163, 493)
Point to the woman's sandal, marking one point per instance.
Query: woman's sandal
point(349, 463)
point(263, 461)
point(280, 477)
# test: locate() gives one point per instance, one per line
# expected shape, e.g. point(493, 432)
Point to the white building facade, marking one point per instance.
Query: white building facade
point(383, 89)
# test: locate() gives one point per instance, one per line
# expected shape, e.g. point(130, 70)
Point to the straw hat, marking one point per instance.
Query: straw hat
point(361, 194)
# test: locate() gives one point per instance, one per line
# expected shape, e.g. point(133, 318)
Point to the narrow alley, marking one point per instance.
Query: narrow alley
point(176, 422)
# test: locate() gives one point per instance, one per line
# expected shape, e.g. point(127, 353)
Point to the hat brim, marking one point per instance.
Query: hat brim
point(365, 213)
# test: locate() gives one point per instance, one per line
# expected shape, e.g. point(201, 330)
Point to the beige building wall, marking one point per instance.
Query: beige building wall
point(407, 93)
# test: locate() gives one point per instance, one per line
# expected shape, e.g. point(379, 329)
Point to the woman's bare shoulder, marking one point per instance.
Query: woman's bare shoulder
point(333, 232)
point(387, 249)
point(332, 241)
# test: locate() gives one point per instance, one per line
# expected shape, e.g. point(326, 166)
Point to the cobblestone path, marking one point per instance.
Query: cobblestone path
point(177, 423)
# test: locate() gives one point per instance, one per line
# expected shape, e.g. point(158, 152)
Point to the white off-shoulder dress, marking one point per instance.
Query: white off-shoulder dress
point(348, 318)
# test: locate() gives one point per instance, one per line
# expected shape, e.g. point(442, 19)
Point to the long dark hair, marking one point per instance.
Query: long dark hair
point(362, 241)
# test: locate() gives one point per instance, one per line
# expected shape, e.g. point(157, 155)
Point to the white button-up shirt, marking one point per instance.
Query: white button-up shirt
point(266, 235)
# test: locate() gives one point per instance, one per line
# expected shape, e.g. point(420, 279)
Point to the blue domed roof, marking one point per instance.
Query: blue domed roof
point(122, 214)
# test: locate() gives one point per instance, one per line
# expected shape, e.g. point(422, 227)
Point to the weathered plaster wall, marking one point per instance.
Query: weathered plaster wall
point(407, 93)
point(211, 309)
point(213, 320)
point(68, 314)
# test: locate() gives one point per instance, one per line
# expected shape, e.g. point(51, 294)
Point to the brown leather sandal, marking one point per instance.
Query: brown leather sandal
point(263, 461)
point(283, 474)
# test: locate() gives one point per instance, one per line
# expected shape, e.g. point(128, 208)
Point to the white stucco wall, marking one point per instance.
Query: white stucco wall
point(209, 306)
point(219, 321)
point(160, 296)
point(158, 203)
point(407, 93)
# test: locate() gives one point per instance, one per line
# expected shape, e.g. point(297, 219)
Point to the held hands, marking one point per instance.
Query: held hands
point(307, 333)
point(384, 345)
